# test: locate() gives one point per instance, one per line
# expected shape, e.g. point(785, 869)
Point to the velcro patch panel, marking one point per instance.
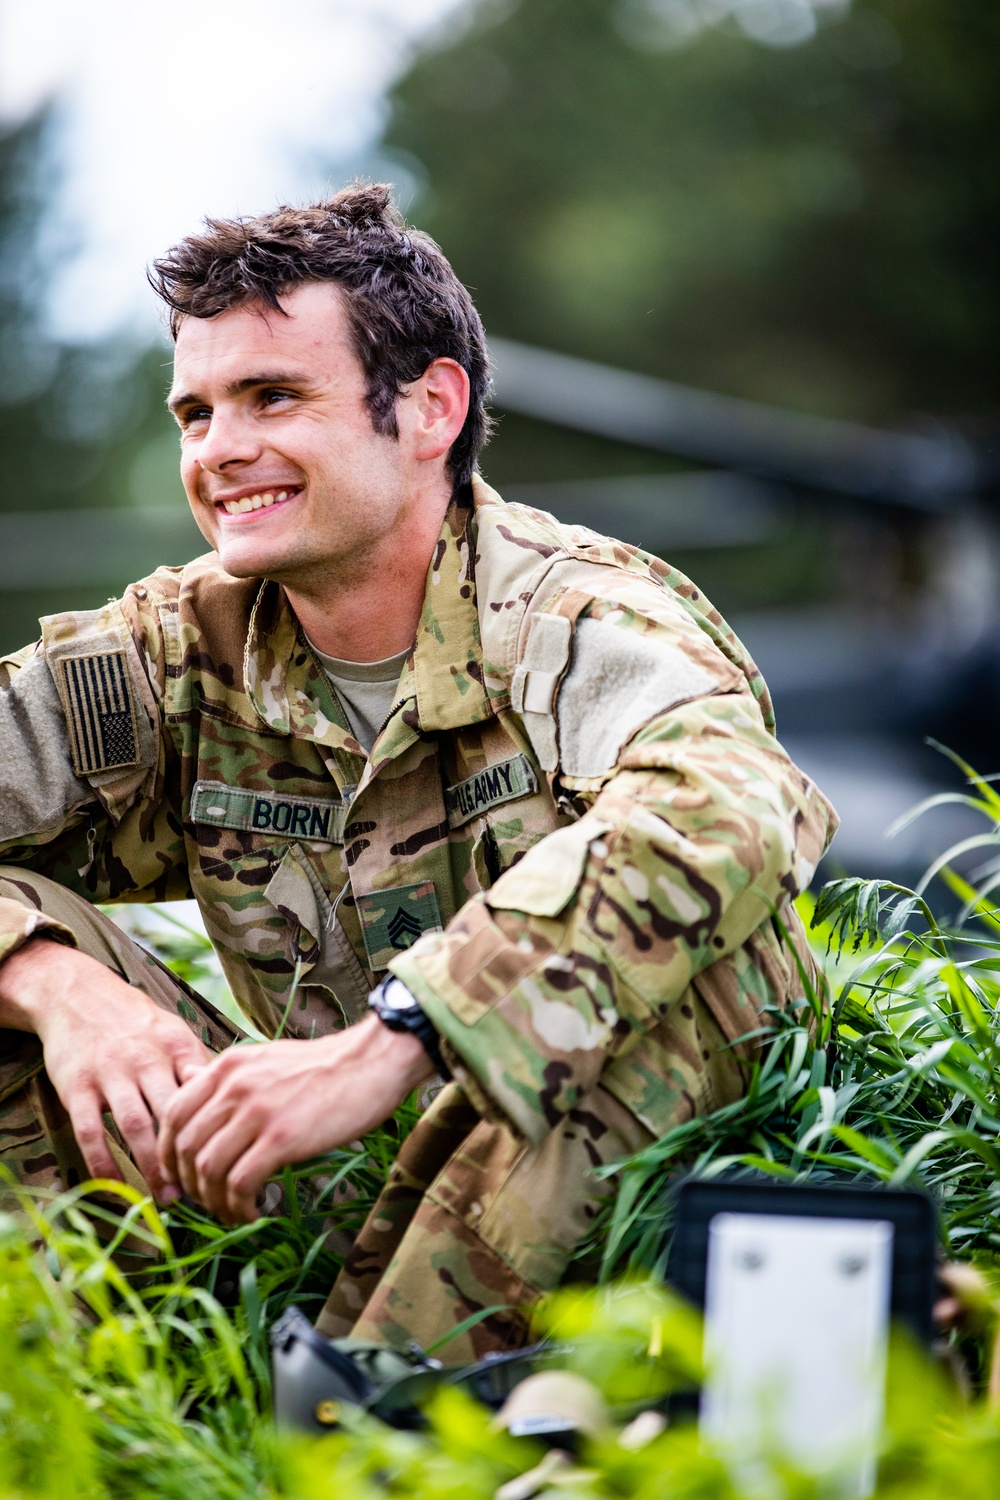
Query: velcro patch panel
point(100, 711)
point(315, 820)
point(503, 781)
point(392, 920)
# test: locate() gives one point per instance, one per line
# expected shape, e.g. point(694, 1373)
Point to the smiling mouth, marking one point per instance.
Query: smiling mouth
point(264, 500)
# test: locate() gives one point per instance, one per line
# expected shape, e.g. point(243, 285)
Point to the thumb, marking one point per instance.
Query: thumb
point(189, 1068)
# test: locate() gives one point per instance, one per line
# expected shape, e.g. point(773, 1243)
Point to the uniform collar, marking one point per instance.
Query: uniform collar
point(447, 660)
point(285, 683)
point(442, 684)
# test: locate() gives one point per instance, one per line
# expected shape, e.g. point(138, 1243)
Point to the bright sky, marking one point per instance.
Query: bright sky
point(229, 106)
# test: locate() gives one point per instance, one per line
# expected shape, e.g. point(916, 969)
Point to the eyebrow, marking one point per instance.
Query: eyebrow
point(237, 388)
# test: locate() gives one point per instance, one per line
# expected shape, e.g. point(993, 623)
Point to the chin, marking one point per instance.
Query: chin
point(258, 561)
point(246, 562)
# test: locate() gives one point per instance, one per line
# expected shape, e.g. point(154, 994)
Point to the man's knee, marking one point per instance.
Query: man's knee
point(496, 1229)
point(30, 889)
point(534, 1207)
point(93, 932)
point(99, 937)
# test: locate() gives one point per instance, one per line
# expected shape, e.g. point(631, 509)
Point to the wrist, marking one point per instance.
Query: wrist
point(26, 983)
point(397, 1054)
point(408, 1058)
point(400, 1011)
point(41, 981)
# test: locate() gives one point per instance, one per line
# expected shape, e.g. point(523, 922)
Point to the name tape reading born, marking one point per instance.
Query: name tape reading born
point(316, 819)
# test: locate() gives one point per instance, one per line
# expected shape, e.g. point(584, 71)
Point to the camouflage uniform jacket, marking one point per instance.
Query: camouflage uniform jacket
point(575, 814)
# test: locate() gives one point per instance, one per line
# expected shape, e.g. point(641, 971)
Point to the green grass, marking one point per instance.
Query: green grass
point(155, 1382)
point(896, 1081)
point(151, 1389)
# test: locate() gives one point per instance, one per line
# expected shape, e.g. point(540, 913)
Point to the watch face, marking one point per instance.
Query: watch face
point(396, 997)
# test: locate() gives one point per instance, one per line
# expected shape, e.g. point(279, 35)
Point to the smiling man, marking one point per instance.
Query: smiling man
point(460, 791)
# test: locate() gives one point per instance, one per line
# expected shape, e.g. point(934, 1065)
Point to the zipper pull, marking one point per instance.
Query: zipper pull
point(85, 870)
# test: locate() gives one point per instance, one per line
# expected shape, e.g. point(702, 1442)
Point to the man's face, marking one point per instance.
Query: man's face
point(285, 475)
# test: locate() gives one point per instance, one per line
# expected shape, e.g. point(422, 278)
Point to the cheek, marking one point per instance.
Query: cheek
point(190, 471)
point(376, 464)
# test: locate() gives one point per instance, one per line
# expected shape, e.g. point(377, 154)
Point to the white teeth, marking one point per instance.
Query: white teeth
point(254, 502)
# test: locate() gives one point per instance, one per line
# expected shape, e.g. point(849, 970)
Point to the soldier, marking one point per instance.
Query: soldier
point(518, 780)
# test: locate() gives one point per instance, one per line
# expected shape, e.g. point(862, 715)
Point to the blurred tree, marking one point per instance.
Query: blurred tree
point(79, 427)
point(793, 200)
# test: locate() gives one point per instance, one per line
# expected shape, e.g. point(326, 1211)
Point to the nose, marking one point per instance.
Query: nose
point(228, 442)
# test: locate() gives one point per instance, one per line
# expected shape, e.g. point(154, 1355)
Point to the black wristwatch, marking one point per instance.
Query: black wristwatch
point(397, 1009)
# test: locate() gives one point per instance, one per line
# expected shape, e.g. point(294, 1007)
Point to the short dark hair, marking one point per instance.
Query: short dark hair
point(405, 305)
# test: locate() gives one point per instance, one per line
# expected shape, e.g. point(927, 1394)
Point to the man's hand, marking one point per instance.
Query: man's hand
point(258, 1108)
point(107, 1046)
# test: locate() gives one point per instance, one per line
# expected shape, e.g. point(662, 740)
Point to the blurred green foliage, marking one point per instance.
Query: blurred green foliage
point(661, 186)
point(812, 224)
point(80, 427)
point(154, 1390)
point(653, 183)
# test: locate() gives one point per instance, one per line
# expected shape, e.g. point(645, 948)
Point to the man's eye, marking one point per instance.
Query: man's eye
point(271, 398)
point(195, 414)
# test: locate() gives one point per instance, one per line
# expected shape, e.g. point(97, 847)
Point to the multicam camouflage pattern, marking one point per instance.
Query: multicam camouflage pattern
point(572, 838)
point(36, 1139)
point(476, 1223)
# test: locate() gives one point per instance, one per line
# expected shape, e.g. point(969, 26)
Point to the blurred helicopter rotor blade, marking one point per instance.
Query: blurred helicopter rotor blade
point(926, 471)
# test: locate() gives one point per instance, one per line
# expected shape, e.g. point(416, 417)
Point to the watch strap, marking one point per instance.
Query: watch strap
point(409, 1016)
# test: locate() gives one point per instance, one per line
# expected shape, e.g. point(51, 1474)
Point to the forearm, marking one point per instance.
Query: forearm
point(367, 1052)
point(108, 1048)
point(254, 1110)
point(585, 945)
point(41, 979)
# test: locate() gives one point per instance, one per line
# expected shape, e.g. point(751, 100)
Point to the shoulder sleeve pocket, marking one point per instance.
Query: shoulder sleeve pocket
point(102, 687)
point(39, 789)
point(544, 882)
point(619, 680)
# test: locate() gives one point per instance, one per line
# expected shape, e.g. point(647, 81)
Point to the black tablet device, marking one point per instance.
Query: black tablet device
point(911, 1214)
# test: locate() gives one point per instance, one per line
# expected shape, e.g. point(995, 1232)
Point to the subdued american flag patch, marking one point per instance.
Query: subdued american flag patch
point(97, 696)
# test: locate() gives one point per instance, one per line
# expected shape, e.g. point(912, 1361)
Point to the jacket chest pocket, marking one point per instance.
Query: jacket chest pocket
point(245, 836)
point(503, 836)
point(265, 891)
point(505, 840)
point(495, 815)
point(496, 845)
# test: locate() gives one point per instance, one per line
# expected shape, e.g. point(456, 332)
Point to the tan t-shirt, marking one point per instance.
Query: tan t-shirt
point(366, 689)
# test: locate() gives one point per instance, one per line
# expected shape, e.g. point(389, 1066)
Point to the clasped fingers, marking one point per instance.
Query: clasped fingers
point(253, 1110)
point(210, 1123)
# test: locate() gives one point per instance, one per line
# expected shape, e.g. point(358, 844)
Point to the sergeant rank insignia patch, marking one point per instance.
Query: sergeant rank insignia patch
point(503, 781)
point(393, 920)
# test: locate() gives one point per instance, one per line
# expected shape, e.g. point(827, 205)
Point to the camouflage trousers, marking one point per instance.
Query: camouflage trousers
point(471, 1221)
point(36, 1140)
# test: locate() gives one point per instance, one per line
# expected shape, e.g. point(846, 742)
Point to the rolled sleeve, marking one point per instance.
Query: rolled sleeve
point(18, 924)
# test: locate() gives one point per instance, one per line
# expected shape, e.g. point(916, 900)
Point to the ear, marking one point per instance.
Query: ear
point(435, 408)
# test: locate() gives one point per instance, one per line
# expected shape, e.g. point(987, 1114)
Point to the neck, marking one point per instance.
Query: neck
point(370, 609)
